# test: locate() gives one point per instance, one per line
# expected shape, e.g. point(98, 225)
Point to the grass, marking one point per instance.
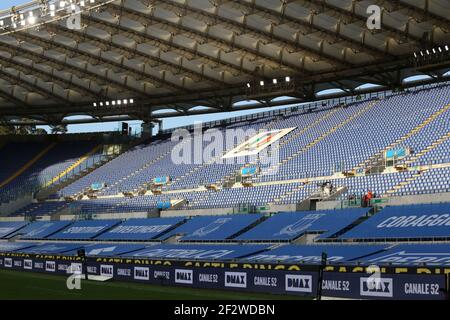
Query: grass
point(37, 286)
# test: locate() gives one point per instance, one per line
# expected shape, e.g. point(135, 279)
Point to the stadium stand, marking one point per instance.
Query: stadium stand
point(84, 230)
point(52, 248)
point(197, 252)
point(328, 143)
point(40, 229)
point(289, 226)
point(312, 254)
point(214, 228)
point(8, 228)
point(111, 250)
point(141, 229)
point(46, 164)
point(408, 223)
point(41, 209)
point(14, 246)
point(412, 254)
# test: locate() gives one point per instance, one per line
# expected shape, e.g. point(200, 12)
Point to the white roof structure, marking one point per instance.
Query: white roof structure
point(174, 55)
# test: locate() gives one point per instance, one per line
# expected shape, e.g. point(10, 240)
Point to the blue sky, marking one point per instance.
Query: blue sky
point(5, 4)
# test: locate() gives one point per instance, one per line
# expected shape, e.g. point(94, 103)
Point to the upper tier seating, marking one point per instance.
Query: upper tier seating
point(40, 209)
point(7, 229)
point(33, 165)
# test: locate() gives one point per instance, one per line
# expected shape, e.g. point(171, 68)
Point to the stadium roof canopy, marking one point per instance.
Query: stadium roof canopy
point(173, 55)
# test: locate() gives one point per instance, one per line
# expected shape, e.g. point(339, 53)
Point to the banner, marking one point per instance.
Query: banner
point(289, 280)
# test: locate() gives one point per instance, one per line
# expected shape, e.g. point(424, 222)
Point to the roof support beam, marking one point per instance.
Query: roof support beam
point(424, 11)
point(50, 76)
point(351, 13)
point(216, 60)
point(33, 87)
point(269, 35)
point(217, 40)
point(133, 52)
point(83, 71)
point(12, 98)
point(99, 59)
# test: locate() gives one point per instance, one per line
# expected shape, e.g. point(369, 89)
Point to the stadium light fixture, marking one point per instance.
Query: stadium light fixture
point(40, 12)
point(288, 79)
point(131, 101)
point(446, 48)
point(248, 85)
point(95, 104)
point(275, 81)
point(31, 18)
point(261, 83)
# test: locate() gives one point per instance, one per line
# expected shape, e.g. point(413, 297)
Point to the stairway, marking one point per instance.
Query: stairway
point(72, 167)
point(320, 138)
point(292, 136)
point(415, 130)
point(55, 187)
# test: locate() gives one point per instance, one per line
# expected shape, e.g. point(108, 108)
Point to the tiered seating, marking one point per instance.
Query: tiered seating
point(214, 228)
point(53, 159)
point(53, 248)
point(41, 209)
point(9, 228)
point(312, 254)
point(84, 230)
point(412, 254)
point(111, 250)
point(116, 172)
point(289, 226)
point(200, 252)
point(41, 229)
point(14, 246)
point(359, 140)
point(141, 229)
point(433, 181)
point(413, 222)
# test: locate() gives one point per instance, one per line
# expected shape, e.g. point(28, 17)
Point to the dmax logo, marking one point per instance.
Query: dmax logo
point(298, 283)
point(50, 266)
point(141, 273)
point(27, 264)
point(183, 276)
point(236, 279)
point(376, 288)
point(106, 270)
